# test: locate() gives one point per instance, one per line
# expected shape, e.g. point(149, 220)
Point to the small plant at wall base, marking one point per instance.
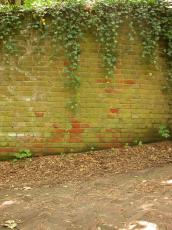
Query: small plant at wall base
point(138, 142)
point(23, 154)
point(67, 23)
point(164, 131)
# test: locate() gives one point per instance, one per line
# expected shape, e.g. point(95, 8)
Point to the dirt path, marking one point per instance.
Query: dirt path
point(126, 201)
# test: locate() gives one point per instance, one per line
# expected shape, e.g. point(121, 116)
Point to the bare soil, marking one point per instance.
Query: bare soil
point(122, 189)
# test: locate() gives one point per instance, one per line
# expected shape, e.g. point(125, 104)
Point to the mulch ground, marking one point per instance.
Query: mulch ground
point(53, 170)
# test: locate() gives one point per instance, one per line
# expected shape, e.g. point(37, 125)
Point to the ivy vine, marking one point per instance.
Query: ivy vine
point(105, 21)
point(67, 28)
point(67, 22)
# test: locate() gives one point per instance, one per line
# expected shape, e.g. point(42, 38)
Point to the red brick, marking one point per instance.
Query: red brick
point(116, 135)
point(75, 123)
point(129, 82)
point(84, 125)
point(113, 110)
point(108, 145)
point(117, 71)
point(112, 90)
point(109, 130)
point(39, 114)
point(76, 130)
point(66, 63)
point(103, 81)
point(75, 140)
point(38, 145)
point(55, 125)
point(7, 150)
point(74, 120)
point(58, 131)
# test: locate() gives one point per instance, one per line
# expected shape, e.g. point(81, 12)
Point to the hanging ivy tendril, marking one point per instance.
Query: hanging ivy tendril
point(105, 21)
point(67, 23)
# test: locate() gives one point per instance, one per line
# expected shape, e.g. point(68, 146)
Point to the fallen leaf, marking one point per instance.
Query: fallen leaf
point(11, 224)
point(8, 202)
point(27, 188)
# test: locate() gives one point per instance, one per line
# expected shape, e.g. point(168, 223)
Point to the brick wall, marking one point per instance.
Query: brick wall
point(33, 113)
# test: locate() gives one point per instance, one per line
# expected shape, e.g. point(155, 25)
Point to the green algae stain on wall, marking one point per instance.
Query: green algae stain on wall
point(111, 112)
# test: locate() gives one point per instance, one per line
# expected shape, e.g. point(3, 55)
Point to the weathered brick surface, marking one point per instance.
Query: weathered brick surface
point(33, 97)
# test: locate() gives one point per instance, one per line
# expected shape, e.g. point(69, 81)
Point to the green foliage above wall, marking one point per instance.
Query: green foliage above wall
point(67, 22)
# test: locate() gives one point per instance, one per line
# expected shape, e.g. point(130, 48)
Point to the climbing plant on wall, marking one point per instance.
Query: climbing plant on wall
point(67, 23)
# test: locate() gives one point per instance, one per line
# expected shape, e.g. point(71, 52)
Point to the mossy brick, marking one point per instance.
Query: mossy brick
point(37, 86)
